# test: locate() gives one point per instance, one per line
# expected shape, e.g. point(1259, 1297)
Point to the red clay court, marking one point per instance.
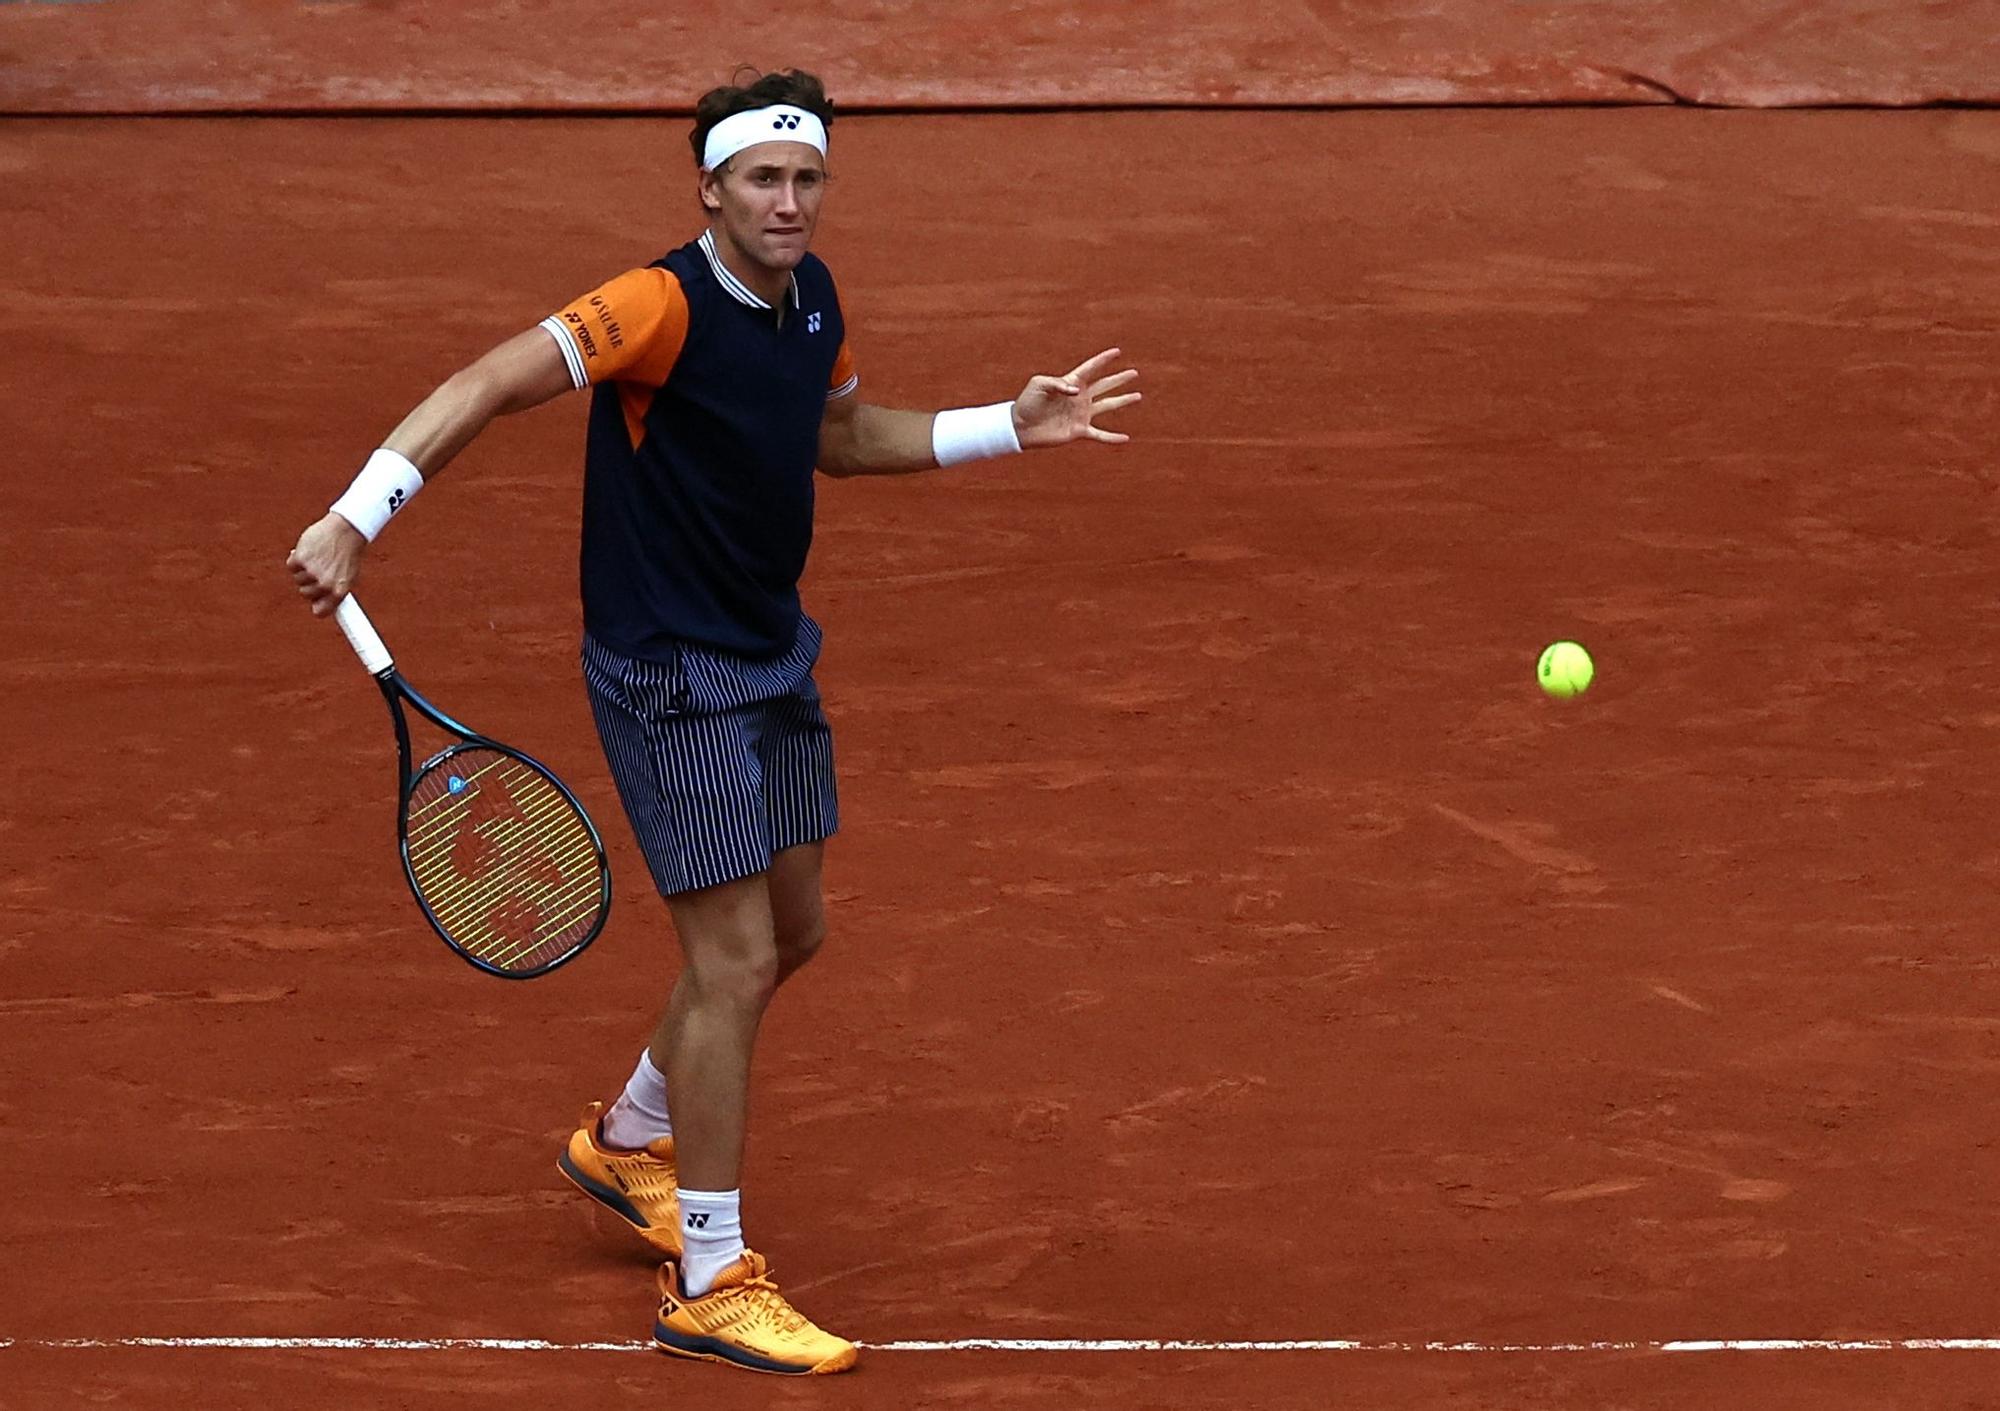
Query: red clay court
point(1230, 944)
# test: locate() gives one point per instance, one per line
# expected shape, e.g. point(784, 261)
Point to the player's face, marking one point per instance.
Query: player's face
point(766, 199)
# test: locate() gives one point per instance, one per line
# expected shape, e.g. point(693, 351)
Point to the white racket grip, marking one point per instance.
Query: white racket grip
point(362, 636)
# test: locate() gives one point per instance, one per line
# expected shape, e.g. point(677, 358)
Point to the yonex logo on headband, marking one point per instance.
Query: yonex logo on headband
point(740, 130)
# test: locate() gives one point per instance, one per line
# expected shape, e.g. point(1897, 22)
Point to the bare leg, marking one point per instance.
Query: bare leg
point(704, 1040)
point(741, 940)
point(798, 912)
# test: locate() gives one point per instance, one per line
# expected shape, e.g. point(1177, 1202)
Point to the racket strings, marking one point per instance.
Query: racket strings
point(503, 859)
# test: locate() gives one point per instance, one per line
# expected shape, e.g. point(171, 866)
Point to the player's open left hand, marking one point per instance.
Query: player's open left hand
point(1052, 411)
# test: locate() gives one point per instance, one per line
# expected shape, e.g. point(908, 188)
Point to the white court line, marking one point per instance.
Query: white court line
point(323, 1344)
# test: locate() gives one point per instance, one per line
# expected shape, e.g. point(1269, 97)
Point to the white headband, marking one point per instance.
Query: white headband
point(779, 123)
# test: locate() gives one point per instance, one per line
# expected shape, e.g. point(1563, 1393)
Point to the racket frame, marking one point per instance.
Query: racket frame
point(367, 644)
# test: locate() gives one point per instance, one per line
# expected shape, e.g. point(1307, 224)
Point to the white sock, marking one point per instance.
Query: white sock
point(640, 1115)
point(711, 1236)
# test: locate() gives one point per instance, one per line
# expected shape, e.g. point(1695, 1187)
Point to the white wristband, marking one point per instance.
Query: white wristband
point(974, 433)
point(384, 486)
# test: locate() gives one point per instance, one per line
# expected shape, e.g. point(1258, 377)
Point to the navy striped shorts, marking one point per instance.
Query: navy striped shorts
point(721, 761)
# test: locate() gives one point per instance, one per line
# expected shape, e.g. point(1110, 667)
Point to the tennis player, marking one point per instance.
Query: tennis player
point(722, 377)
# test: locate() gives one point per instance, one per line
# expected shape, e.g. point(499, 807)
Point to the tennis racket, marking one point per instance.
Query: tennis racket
point(503, 861)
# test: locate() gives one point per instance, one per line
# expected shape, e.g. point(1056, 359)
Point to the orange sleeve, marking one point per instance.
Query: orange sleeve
point(845, 379)
point(629, 330)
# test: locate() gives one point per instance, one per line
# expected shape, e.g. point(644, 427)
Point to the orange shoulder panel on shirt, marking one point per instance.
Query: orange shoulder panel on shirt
point(630, 329)
point(843, 369)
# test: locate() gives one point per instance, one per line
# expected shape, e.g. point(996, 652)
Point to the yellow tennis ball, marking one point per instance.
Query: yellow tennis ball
point(1565, 670)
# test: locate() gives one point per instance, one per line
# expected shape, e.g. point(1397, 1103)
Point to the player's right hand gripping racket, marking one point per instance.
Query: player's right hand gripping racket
point(502, 858)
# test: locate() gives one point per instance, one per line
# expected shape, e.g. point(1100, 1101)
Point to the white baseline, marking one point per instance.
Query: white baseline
point(366, 1344)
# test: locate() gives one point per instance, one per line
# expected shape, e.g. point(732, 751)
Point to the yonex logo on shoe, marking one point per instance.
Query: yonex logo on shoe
point(785, 120)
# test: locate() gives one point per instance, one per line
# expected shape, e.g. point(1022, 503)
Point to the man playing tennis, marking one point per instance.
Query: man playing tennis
point(722, 378)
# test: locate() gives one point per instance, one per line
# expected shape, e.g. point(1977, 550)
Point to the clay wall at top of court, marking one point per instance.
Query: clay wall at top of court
point(168, 56)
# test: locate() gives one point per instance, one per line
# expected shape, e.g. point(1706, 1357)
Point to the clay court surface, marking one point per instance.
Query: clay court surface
point(1229, 941)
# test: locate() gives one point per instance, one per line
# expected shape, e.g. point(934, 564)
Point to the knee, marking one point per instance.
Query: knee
point(739, 979)
point(800, 943)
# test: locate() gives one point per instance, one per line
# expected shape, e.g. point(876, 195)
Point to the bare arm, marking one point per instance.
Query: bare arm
point(525, 371)
point(860, 439)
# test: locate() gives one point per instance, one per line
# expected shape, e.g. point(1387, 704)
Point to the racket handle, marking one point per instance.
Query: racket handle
point(362, 636)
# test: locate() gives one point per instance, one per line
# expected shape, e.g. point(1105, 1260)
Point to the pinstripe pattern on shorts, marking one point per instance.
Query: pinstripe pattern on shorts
point(720, 761)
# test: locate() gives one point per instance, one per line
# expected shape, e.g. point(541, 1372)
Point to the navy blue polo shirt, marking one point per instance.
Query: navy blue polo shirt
point(704, 434)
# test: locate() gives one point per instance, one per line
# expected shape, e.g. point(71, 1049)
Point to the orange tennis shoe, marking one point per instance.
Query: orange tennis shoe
point(745, 1322)
point(636, 1186)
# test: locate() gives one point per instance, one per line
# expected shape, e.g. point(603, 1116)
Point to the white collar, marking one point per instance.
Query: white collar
point(737, 289)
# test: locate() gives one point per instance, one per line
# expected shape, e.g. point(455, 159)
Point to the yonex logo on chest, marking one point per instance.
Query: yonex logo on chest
point(812, 323)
